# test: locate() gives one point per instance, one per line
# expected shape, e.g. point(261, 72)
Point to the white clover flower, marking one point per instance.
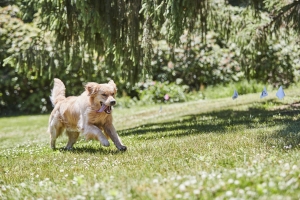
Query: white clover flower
point(196, 192)
point(23, 184)
point(155, 181)
point(182, 187)
point(229, 193)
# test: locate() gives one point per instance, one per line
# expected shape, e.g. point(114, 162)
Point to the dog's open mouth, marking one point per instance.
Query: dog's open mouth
point(104, 108)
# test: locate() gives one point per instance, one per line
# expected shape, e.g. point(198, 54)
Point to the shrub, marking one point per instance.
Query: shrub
point(158, 92)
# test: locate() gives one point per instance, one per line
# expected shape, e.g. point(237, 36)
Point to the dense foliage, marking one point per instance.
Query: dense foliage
point(116, 33)
point(187, 45)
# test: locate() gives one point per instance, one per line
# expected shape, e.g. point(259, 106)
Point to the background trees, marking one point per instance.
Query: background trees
point(194, 43)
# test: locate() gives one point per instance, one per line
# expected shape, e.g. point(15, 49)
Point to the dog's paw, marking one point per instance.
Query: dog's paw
point(122, 148)
point(105, 143)
point(68, 148)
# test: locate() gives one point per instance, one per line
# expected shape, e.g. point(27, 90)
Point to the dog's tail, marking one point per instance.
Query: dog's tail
point(58, 92)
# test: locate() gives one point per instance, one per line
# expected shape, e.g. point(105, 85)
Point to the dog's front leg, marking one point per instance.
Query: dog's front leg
point(91, 130)
point(112, 133)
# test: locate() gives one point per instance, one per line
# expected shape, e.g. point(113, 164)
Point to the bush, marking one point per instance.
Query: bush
point(126, 102)
point(152, 92)
point(198, 64)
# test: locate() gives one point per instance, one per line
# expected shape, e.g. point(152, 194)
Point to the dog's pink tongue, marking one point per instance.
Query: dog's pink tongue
point(102, 108)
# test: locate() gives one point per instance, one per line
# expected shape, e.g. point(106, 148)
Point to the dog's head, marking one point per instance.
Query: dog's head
point(103, 94)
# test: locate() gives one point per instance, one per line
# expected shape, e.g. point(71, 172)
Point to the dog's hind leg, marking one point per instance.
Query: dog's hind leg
point(73, 136)
point(55, 132)
point(55, 128)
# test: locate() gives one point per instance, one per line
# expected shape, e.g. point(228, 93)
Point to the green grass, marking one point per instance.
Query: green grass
point(243, 87)
point(209, 149)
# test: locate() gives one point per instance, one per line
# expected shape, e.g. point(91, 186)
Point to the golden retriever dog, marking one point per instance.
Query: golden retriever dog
point(89, 113)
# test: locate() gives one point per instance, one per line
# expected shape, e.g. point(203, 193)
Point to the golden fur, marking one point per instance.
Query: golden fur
point(88, 113)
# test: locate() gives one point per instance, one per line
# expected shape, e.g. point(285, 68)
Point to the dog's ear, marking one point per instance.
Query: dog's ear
point(92, 88)
point(111, 82)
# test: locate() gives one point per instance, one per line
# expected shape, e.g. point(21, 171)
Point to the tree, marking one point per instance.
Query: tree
point(267, 45)
point(118, 31)
point(121, 32)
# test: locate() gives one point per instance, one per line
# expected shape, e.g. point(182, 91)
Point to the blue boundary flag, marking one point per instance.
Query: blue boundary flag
point(280, 93)
point(264, 93)
point(235, 94)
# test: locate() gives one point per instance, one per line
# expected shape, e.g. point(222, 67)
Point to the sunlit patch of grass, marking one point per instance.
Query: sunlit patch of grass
point(212, 149)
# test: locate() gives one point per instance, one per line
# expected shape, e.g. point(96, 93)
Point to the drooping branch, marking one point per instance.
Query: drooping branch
point(120, 31)
point(287, 15)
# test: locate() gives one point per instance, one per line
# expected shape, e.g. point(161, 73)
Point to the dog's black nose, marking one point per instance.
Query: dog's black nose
point(113, 102)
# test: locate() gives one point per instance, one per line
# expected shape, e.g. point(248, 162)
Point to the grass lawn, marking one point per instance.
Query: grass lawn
point(246, 148)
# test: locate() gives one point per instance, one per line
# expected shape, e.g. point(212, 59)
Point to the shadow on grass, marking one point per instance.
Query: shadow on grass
point(285, 116)
point(256, 117)
point(90, 149)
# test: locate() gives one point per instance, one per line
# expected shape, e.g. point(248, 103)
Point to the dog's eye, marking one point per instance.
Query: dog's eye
point(112, 94)
point(104, 95)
